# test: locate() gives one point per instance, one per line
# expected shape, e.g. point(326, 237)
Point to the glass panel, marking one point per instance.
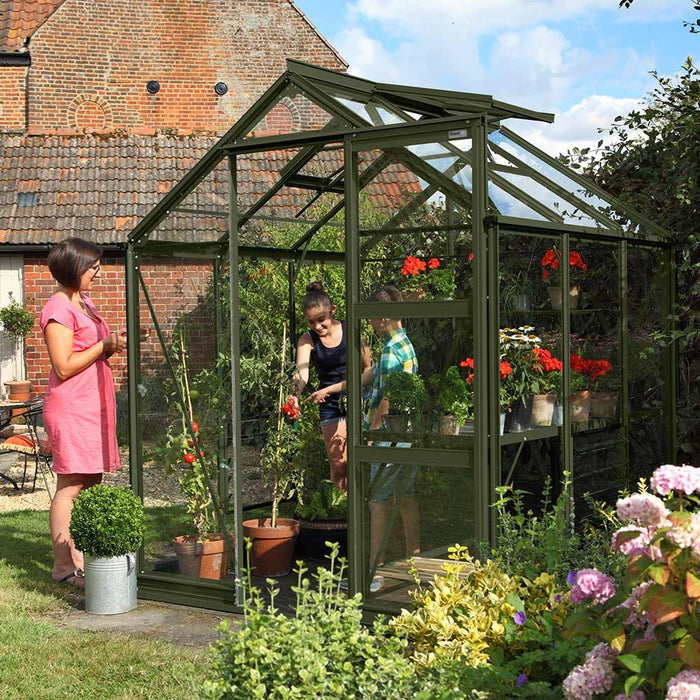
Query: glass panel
point(175, 493)
point(293, 112)
point(421, 392)
point(648, 448)
point(413, 511)
point(526, 161)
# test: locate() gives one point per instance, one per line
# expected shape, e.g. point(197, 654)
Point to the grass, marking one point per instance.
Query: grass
point(41, 659)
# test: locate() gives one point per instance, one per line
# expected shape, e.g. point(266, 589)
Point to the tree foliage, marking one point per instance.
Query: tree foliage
point(651, 163)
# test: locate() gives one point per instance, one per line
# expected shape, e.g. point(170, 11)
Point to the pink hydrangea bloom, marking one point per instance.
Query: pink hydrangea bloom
point(637, 618)
point(636, 695)
point(594, 676)
point(684, 686)
point(638, 545)
point(687, 533)
point(643, 509)
point(591, 583)
point(669, 477)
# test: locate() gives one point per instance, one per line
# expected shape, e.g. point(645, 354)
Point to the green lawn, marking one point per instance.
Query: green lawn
point(42, 660)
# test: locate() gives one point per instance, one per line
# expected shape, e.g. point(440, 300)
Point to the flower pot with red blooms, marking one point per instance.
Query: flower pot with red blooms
point(551, 262)
point(427, 278)
point(596, 375)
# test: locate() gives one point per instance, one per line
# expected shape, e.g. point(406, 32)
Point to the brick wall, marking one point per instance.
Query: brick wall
point(178, 291)
point(91, 62)
point(12, 94)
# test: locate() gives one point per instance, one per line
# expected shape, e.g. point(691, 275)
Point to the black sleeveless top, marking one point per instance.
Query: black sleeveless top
point(330, 363)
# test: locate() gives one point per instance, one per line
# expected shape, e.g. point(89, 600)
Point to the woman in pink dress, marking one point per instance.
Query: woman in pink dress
point(80, 412)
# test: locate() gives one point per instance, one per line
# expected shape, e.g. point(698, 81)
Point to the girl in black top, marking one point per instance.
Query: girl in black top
point(325, 346)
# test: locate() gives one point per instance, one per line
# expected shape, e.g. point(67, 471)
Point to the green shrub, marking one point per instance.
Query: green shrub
point(321, 652)
point(107, 521)
point(404, 391)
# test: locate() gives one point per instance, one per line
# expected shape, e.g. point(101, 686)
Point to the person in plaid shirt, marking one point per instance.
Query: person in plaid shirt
point(390, 483)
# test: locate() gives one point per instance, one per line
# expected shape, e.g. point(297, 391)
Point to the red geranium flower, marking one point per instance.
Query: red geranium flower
point(550, 261)
point(412, 266)
point(433, 263)
point(504, 368)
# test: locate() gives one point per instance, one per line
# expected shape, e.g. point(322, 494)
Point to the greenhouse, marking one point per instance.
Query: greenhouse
point(531, 373)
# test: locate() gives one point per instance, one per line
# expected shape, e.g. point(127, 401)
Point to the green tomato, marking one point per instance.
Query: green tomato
point(194, 394)
point(215, 401)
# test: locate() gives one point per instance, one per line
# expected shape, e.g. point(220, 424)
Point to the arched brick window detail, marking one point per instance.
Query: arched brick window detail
point(89, 113)
point(283, 118)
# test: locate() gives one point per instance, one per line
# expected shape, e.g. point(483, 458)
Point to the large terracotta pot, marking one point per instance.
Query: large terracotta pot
point(580, 406)
point(205, 559)
point(542, 410)
point(19, 390)
point(273, 547)
point(449, 425)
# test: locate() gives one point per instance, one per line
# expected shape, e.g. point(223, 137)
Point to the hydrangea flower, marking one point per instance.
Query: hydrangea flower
point(684, 686)
point(643, 509)
point(669, 477)
point(593, 677)
point(632, 547)
point(636, 695)
point(637, 618)
point(591, 583)
point(686, 533)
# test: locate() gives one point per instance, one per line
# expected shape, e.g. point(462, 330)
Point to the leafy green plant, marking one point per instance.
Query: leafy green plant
point(321, 652)
point(327, 502)
point(405, 392)
point(648, 629)
point(453, 397)
point(17, 322)
point(107, 521)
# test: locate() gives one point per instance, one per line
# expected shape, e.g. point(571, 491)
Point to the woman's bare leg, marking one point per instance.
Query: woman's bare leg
point(335, 437)
point(65, 556)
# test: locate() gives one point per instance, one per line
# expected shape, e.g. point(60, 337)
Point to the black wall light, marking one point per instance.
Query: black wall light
point(221, 88)
point(153, 86)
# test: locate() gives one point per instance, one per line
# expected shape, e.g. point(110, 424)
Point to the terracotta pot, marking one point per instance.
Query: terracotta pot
point(580, 406)
point(604, 404)
point(19, 390)
point(542, 410)
point(205, 559)
point(555, 296)
point(313, 535)
point(449, 425)
point(273, 547)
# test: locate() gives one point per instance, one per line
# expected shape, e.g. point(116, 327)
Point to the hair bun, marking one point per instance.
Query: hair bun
point(316, 286)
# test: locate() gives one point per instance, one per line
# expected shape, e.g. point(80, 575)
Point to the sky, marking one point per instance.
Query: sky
point(584, 60)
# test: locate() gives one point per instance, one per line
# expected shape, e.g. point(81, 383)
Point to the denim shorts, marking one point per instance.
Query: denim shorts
point(389, 480)
point(332, 410)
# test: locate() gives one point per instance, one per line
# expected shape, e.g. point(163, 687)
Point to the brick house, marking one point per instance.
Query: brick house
point(104, 105)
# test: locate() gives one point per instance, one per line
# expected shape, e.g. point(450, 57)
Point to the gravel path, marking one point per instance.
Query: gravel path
point(159, 490)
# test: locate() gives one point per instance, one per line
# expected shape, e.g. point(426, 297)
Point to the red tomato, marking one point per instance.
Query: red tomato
point(195, 427)
point(189, 457)
point(190, 443)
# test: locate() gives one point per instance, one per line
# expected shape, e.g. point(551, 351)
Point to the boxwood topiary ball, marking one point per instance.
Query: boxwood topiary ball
point(107, 521)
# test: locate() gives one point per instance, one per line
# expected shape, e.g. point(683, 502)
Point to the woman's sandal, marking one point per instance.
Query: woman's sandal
point(75, 578)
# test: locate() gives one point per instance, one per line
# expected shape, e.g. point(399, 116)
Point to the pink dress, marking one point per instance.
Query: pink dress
point(80, 413)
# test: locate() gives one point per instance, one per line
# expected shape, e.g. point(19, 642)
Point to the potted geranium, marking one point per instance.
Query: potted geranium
point(597, 382)
point(550, 263)
point(108, 525)
point(405, 393)
point(505, 397)
point(17, 323)
point(428, 278)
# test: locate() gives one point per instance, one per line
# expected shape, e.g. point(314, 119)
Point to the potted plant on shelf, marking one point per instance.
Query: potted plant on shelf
point(601, 386)
point(453, 400)
point(108, 524)
point(551, 262)
point(273, 538)
point(428, 278)
point(544, 402)
point(191, 451)
point(505, 397)
point(406, 395)
point(518, 291)
point(324, 519)
point(17, 323)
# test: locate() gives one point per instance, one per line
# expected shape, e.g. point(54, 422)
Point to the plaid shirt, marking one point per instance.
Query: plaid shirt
point(398, 355)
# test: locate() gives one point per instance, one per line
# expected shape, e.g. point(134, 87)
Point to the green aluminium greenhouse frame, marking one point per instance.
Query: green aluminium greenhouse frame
point(492, 189)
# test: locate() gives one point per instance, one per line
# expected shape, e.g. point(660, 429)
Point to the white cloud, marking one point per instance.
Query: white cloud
point(577, 126)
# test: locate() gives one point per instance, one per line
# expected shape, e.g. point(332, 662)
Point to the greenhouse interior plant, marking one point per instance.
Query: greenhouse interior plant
point(406, 395)
point(453, 400)
point(17, 323)
point(324, 519)
point(191, 442)
point(273, 538)
point(108, 525)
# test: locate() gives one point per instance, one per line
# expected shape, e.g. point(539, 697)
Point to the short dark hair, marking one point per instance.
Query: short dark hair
point(384, 294)
point(70, 259)
point(316, 295)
